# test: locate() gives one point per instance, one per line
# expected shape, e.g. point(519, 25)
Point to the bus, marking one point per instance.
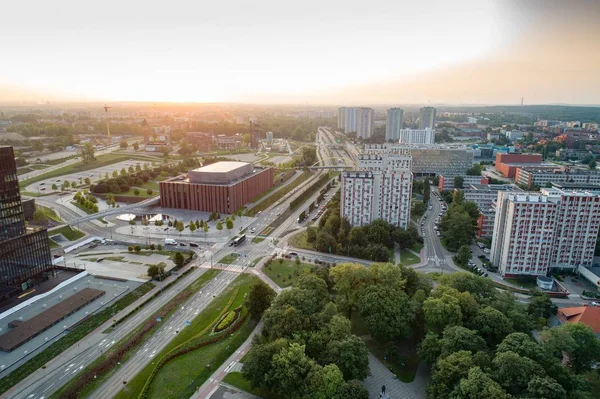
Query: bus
point(239, 240)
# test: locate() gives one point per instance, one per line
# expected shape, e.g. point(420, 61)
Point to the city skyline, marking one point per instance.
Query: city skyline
point(486, 52)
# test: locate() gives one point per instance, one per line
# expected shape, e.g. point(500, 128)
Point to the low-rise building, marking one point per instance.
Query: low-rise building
point(507, 164)
point(447, 182)
point(202, 141)
point(588, 315)
point(224, 142)
point(222, 187)
point(417, 136)
point(542, 176)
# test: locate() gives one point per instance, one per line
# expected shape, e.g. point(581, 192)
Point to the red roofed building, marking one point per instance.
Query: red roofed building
point(588, 315)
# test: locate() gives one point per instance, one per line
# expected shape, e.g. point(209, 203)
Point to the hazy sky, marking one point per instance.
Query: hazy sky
point(327, 51)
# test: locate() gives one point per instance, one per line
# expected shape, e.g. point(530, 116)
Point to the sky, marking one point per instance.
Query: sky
point(310, 52)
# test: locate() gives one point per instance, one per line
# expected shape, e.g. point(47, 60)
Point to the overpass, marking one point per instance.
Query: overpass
point(133, 208)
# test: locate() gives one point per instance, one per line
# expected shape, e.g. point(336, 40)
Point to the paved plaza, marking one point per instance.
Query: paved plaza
point(396, 389)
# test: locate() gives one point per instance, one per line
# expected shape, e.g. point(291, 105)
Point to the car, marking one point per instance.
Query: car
point(259, 212)
point(58, 180)
point(42, 184)
point(193, 244)
point(231, 244)
point(485, 275)
point(422, 224)
point(99, 259)
point(43, 189)
point(252, 230)
point(293, 254)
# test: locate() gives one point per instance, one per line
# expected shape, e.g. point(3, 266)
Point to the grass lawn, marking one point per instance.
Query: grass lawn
point(434, 275)
point(522, 283)
point(299, 241)
point(181, 376)
point(417, 247)
point(257, 240)
point(403, 364)
point(255, 261)
point(229, 259)
point(68, 232)
point(278, 194)
point(53, 244)
point(237, 380)
point(71, 338)
point(83, 208)
point(408, 258)
point(286, 273)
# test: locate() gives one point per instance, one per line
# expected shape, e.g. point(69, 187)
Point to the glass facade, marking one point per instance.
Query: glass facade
point(23, 256)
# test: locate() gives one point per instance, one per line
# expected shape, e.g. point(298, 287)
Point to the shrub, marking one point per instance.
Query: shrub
point(130, 248)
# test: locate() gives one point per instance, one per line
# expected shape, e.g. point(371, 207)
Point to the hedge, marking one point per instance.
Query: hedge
point(308, 192)
point(227, 320)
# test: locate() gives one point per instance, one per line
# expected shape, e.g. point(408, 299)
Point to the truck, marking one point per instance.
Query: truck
point(170, 241)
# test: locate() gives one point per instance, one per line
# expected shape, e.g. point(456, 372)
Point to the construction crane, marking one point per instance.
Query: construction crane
point(106, 113)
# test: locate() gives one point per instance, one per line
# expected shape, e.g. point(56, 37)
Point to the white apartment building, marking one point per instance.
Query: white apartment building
point(514, 135)
point(394, 124)
point(417, 136)
point(269, 138)
point(365, 118)
point(347, 119)
point(427, 118)
point(380, 189)
point(541, 176)
point(534, 232)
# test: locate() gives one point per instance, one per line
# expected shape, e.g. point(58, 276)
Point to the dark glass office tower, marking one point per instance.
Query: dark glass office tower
point(24, 257)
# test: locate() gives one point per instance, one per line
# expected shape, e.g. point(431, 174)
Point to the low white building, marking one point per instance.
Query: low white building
point(417, 136)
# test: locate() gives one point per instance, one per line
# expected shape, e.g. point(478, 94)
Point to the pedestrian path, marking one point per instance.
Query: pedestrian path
point(380, 376)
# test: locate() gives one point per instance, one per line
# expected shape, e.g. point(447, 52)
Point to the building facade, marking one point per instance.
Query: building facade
point(269, 138)
point(446, 182)
point(24, 257)
point(429, 160)
point(222, 187)
point(417, 136)
point(365, 119)
point(200, 140)
point(540, 176)
point(534, 232)
point(507, 164)
point(347, 119)
point(380, 189)
point(394, 124)
point(427, 118)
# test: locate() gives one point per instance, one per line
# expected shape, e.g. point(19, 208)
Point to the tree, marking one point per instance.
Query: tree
point(448, 373)
point(259, 299)
point(87, 181)
point(463, 256)
point(257, 364)
point(545, 388)
point(179, 226)
point(205, 229)
point(130, 169)
point(592, 164)
point(229, 224)
point(137, 248)
point(54, 187)
point(479, 385)
point(87, 153)
point(325, 242)
point(388, 312)
point(578, 341)
point(124, 144)
point(457, 338)
point(540, 305)
point(426, 191)
point(123, 172)
point(352, 389)
point(219, 225)
point(458, 182)
point(325, 382)
point(149, 191)
point(290, 371)
point(311, 234)
point(192, 226)
point(351, 356)
point(136, 146)
point(138, 168)
point(349, 279)
point(156, 270)
point(179, 260)
point(441, 312)
point(513, 372)
point(492, 325)
point(457, 229)
point(403, 238)
point(136, 191)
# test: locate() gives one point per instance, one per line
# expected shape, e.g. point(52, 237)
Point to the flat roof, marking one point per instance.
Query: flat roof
point(221, 167)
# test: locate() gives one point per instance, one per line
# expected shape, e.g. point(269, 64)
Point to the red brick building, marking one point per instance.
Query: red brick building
point(507, 164)
point(222, 187)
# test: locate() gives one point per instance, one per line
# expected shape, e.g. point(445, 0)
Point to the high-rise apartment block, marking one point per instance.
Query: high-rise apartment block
point(356, 120)
point(417, 136)
point(535, 232)
point(24, 257)
point(394, 124)
point(380, 189)
point(427, 118)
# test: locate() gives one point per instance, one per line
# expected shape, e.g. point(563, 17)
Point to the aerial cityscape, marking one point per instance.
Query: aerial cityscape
point(327, 200)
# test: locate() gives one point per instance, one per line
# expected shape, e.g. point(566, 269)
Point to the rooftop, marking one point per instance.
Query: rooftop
point(589, 315)
point(221, 167)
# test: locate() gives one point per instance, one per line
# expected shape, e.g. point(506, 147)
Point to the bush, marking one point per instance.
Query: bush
point(227, 320)
point(136, 192)
point(149, 191)
point(130, 248)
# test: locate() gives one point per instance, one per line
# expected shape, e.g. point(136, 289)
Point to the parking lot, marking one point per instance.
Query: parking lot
point(45, 186)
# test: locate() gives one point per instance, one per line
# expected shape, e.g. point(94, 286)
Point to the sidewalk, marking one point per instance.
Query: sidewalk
point(212, 383)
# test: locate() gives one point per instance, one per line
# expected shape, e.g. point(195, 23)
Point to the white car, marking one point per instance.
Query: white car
point(252, 230)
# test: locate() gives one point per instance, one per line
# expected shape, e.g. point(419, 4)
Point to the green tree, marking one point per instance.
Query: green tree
point(54, 187)
point(578, 341)
point(457, 230)
point(426, 191)
point(325, 383)
point(136, 146)
point(137, 248)
point(229, 224)
point(291, 372)
point(123, 172)
point(124, 144)
point(349, 279)
point(388, 313)
point(457, 338)
point(179, 260)
point(136, 191)
point(219, 226)
point(87, 153)
point(179, 226)
point(138, 168)
point(540, 305)
point(403, 238)
point(257, 365)
point(130, 169)
point(352, 389)
point(87, 181)
point(492, 325)
point(325, 242)
point(513, 372)
point(463, 256)
point(192, 227)
point(478, 385)
point(458, 182)
point(448, 373)
point(545, 388)
point(440, 313)
point(592, 164)
point(311, 234)
point(351, 355)
point(259, 299)
point(156, 270)
point(115, 174)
